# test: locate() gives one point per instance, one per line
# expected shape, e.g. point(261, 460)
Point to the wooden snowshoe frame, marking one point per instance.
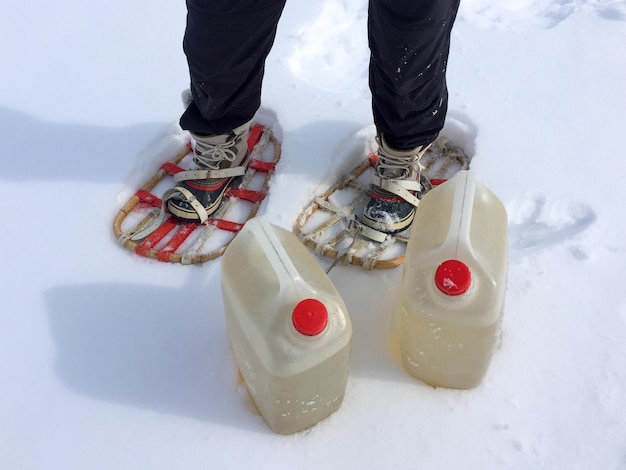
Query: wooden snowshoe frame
point(178, 241)
point(336, 234)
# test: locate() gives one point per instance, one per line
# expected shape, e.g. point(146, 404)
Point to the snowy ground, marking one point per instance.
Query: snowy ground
point(109, 361)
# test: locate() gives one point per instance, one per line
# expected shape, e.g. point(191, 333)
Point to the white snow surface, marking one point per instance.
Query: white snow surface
point(111, 361)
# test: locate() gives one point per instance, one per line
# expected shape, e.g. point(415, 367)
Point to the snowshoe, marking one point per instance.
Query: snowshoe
point(331, 223)
point(145, 225)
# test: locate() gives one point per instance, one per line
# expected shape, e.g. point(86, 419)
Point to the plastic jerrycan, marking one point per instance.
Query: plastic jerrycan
point(453, 284)
point(288, 327)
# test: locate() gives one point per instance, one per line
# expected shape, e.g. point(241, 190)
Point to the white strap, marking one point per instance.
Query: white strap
point(372, 234)
point(189, 198)
point(357, 228)
point(400, 188)
point(167, 195)
point(206, 174)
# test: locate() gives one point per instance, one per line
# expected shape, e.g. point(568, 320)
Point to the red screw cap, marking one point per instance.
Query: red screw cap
point(310, 317)
point(453, 277)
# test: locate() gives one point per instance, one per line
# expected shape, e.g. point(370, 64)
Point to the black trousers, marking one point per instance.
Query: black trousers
point(227, 41)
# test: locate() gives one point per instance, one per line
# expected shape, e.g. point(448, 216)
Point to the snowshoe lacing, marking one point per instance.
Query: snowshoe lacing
point(357, 230)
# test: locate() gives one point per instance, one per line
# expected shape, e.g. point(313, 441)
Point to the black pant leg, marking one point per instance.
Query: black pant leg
point(226, 43)
point(409, 42)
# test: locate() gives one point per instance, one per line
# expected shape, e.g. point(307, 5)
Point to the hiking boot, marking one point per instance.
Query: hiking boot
point(218, 161)
point(397, 187)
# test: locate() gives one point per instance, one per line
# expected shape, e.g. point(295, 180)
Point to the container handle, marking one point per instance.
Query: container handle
point(276, 253)
point(457, 239)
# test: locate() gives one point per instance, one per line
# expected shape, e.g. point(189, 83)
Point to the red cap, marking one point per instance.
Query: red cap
point(453, 277)
point(310, 317)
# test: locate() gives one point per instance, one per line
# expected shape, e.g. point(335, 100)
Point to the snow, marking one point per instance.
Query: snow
point(110, 361)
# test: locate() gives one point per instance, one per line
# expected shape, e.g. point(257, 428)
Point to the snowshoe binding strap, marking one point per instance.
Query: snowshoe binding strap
point(401, 188)
point(177, 192)
point(206, 174)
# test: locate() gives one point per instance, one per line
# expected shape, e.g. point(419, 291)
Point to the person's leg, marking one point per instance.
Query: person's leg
point(226, 43)
point(409, 43)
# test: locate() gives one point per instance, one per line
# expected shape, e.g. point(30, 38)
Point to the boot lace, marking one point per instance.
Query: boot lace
point(399, 166)
point(212, 155)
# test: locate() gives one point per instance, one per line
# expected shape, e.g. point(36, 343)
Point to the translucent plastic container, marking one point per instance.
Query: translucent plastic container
point(453, 284)
point(288, 326)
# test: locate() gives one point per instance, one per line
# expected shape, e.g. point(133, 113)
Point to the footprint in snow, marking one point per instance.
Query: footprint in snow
point(532, 14)
point(537, 223)
point(331, 50)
